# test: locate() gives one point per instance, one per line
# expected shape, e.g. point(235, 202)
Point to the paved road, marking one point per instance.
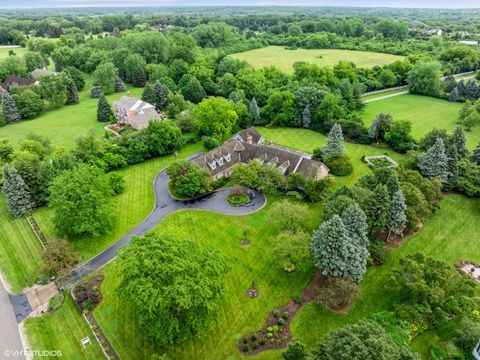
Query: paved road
point(9, 335)
point(164, 205)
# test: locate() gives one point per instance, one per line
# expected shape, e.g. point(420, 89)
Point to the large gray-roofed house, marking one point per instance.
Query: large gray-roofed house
point(134, 112)
point(13, 81)
point(221, 160)
point(38, 73)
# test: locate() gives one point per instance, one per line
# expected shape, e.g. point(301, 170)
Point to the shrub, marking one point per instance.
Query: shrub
point(281, 321)
point(255, 345)
point(56, 302)
point(269, 335)
point(210, 143)
point(254, 337)
point(245, 340)
point(217, 184)
point(285, 315)
point(379, 253)
point(337, 293)
point(245, 348)
point(95, 92)
point(276, 313)
point(298, 298)
point(339, 164)
point(117, 182)
point(43, 279)
point(263, 341)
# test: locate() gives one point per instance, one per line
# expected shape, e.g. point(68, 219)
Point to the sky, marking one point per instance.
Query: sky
point(355, 3)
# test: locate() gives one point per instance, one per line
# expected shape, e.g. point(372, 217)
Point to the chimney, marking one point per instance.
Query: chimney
point(249, 139)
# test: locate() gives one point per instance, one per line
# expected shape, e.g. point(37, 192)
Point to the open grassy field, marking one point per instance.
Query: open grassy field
point(62, 330)
point(131, 206)
point(424, 112)
point(19, 250)
point(18, 51)
point(307, 140)
point(62, 126)
point(284, 59)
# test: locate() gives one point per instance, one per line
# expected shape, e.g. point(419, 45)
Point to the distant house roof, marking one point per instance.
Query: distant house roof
point(234, 151)
point(12, 81)
point(243, 135)
point(37, 73)
point(135, 112)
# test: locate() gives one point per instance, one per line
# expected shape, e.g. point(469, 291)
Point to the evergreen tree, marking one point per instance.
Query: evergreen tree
point(378, 208)
point(398, 217)
point(194, 91)
point(16, 191)
point(120, 85)
point(459, 141)
point(9, 109)
point(334, 143)
point(295, 351)
point(393, 185)
point(139, 77)
point(72, 93)
point(306, 117)
point(329, 247)
point(161, 92)
point(355, 222)
point(380, 126)
point(95, 92)
point(476, 155)
point(454, 95)
point(434, 163)
point(148, 94)
point(104, 111)
point(254, 110)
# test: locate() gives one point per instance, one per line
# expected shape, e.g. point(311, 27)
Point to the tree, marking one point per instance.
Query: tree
point(162, 137)
point(16, 191)
point(189, 179)
point(306, 117)
point(54, 89)
point(291, 251)
point(399, 136)
point(334, 144)
point(178, 294)
point(120, 85)
point(424, 78)
point(280, 109)
point(378, 209)
point(454, 95)
point(34, 60)
point(398, 217)
point(366, 340)
point(380, 126)
point(254, 110)
point(434, 163)
point(289, 216)
point(476, 155)
point(156, 94)
point(468, 180)
point(27, 164)
point(29, 104)
point(337, 293)
point(104, 110)
point(72, 93)
point(105, 76)
point(59, 257)
point(81, 199)
point(431, 290)
point(295, 351)
point(77, 77)
point(459, 141)
point(215, 117)
point(194, 91)
point(9, 109)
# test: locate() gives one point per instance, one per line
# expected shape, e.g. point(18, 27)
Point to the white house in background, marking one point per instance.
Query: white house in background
point(468, 42)
point(134, 112)
point(438, 32)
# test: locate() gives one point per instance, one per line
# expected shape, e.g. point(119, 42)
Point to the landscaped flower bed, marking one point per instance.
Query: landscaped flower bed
point(238, 196)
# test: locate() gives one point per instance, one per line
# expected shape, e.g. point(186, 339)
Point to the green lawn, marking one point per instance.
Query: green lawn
point(307, 140)
point(64, 125)
point(451, 235)
point(63, 330)
point(284, 59)
point(424, 112)
point(131, 207)
point(19, 250)
point(238, 315)
point(18, 51)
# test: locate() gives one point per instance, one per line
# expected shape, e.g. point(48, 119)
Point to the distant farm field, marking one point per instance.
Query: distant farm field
point(284, 59)
point(425, 113)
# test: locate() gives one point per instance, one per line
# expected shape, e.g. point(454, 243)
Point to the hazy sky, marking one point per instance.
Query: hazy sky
point(362, 3)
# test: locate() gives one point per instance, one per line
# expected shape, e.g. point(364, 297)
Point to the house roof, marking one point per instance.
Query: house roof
point(37, 73)
point(138, 111)
point(243, 135)
point(13, 80)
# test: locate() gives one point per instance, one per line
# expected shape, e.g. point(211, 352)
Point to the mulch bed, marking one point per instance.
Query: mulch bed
point(399, 240)
point(90, 291)
point(282, 336)
point(36, 229)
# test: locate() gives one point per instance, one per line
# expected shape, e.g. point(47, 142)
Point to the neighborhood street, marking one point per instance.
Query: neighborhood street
point(10, 343)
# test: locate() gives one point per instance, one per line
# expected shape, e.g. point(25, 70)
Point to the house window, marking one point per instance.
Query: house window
point(229, 157)
point(213, 165)
point(220, 161)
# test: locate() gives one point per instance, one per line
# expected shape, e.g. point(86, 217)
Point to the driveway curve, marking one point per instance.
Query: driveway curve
point(165, 205)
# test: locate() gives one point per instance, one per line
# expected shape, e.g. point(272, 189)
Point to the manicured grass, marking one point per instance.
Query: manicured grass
point(18, 51)
point(308, 140)
point(131, 207)
point(425, 113)
point(62, 330)
point(239, 315)
point(19, 250)
point(451, 235)
point(284, 59)
point(62, 126)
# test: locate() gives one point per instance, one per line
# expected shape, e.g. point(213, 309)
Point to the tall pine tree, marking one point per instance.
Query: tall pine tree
point(378, 209)
point(9, 109)
point(476, 155)
point(72, 92)
point(254, 110)
point(398, 217)
point(334, 143)
point(104, 110)
point(459, 141)
point(434, 163)
point(306, 117)
point(16, 191)
point(393, 185)
point(120, 85)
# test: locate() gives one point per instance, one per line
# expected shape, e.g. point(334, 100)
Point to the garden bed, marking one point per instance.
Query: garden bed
point(276, 334)
point(238, 200)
